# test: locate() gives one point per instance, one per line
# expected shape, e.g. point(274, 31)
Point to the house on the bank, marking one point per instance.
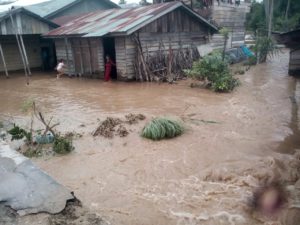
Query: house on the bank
point(31, 22)
point(123, 33)
point(30, 26)
point(223, 13)
point(292, 40)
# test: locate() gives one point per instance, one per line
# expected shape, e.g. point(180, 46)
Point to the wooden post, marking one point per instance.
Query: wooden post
point(3, 60)
point(91, 57)
point(67, 54)
point(81, 60)
point(19, 46)
point(25, 54)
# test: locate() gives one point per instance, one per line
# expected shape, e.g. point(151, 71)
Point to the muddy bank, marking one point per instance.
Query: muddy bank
point(205, 176)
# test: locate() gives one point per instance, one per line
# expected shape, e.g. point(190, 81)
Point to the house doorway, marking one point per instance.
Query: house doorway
point(109, 49)
point(46, 58)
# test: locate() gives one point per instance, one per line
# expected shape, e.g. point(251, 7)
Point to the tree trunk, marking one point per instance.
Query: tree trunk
point(287, 10)
point(271, 6)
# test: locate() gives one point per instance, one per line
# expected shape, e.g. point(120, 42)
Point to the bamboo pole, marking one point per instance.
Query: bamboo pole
point(19, 46)
point(3, 60)
point(25, 54)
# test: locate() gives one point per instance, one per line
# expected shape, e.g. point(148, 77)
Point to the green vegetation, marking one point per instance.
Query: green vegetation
point(46, 137)
point(264, 47)
point(213, 70)
point(18, 133)
point(62, 145)
point(286, 16)
point(1, 124)
point(162, 128)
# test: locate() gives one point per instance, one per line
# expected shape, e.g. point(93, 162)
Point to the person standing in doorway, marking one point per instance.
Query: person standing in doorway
point(108, 67)
point(60, 68)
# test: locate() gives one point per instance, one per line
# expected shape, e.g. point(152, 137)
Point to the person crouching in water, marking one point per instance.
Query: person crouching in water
point(108, 67)
point(60, 68)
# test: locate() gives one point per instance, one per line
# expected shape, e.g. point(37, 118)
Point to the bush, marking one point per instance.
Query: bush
point(160, 128)
point(62, 145)
point(264, 47)
point(18, 133)
point(215, 71)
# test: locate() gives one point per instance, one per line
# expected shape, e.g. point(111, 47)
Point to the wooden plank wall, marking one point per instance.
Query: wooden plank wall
point(176, 29)
point(61, 54)
point(121, 57)
point(232, 17)
point(25, 24)
point(294, 64)
point(12, 54)
point(85, 56)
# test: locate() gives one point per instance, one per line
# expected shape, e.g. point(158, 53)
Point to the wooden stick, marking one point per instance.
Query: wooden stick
point(25, 54)
point(19, 45)
point(3, 60)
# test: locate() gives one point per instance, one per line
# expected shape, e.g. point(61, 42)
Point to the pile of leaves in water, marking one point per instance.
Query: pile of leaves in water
point(162, 128)
point(114, 126)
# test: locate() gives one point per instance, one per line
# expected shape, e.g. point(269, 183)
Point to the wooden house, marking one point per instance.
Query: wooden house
point(84, 42)
point(31, 22)
point(292, 40)
point(223, 13)
point(30, 26)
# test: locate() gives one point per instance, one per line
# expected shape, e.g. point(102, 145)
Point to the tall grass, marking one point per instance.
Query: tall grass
point(162, 128)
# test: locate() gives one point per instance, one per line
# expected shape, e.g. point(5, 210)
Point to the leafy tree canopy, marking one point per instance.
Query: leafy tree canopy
point(284, 18)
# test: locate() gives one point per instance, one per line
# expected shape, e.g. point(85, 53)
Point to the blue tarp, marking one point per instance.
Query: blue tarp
point(247, 51)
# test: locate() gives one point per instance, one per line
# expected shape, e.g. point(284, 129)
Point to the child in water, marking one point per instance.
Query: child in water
point(60, 68)
point(108, 67)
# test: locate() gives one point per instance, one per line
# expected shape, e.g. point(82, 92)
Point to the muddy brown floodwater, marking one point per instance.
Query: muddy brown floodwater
point(205, 176)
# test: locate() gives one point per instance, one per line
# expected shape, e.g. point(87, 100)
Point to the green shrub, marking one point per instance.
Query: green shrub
point(160, 128)
point(18, 133)
point(215, 71)
point(62, 145)
point(224, 83)
point(264, 47)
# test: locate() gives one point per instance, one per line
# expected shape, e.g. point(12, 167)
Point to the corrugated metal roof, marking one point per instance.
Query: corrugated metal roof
point(5, 15)
point(119, 21)
point(45, 9)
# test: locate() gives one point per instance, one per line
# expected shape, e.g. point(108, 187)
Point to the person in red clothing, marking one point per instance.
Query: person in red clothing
point(108, 67)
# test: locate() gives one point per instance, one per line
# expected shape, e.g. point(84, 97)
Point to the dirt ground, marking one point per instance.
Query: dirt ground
point(233, 143)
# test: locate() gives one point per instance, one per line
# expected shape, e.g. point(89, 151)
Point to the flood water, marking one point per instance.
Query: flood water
point(205, 176)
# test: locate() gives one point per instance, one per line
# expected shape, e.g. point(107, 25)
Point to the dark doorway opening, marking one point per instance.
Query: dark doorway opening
point(45, 51)
point(109, 49)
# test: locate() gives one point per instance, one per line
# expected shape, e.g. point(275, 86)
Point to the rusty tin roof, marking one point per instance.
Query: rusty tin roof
point(115, 22)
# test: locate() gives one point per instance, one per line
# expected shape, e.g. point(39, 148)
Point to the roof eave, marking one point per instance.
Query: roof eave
point(62, 36)
point(32, 14)
point(74, 3)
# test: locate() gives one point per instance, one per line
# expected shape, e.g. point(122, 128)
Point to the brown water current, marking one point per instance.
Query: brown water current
point(206, 176)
